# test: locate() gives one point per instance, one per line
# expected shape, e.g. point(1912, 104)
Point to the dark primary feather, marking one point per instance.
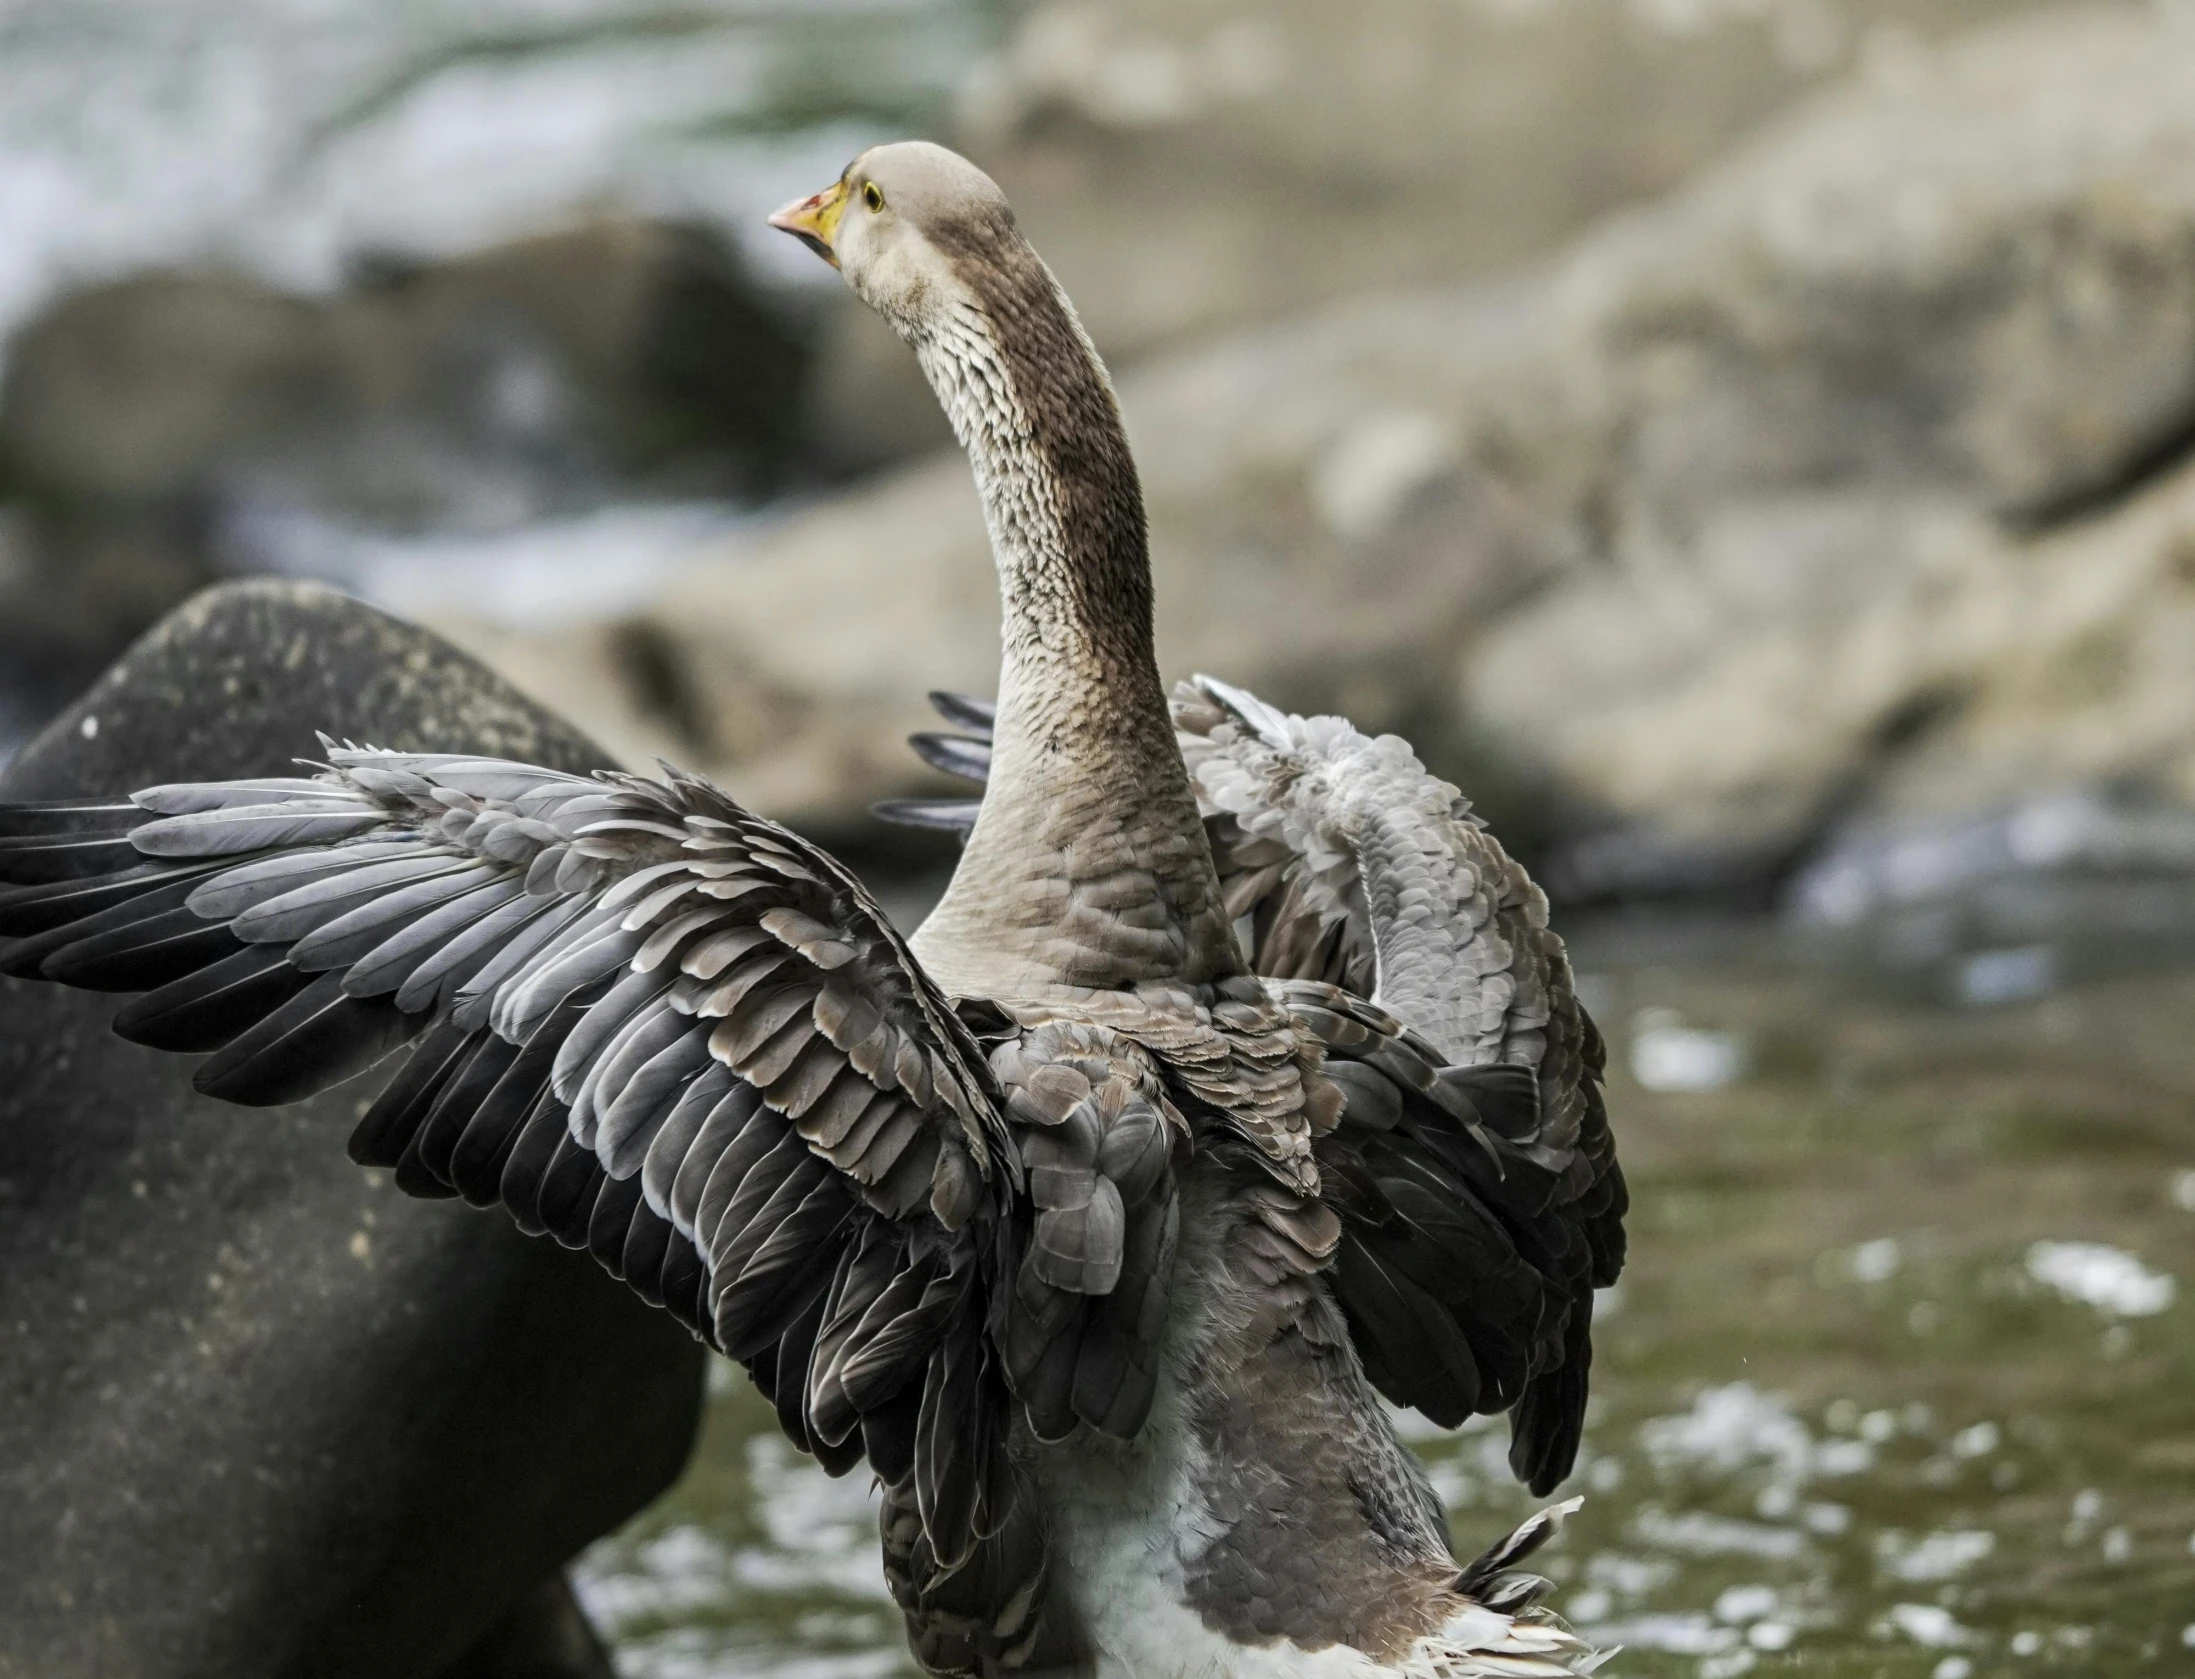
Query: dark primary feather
point(972, 716)
point(1473, 1237)
point(207, 1009)
point(651, 1024)
point(957, 755)
point(957, 816)
point(39, 857)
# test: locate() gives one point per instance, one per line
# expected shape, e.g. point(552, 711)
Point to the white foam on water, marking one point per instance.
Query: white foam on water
point(1876, 1261)
point(822, 1530)
point(1683, 1635)
point(1740, 1605)
point(2107, 1278)
point(1933, 1556)
point(1926, 1624)
point(2008, 976)
point(1698, 1533)
point(680, 1570)
point(1728, 1428)
point(1669, 1056)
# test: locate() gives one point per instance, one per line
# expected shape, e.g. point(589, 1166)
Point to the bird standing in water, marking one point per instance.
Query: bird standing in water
point(1236, 1081)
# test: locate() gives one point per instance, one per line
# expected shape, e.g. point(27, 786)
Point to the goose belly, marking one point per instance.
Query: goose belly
point(1264, 1522)
point(1145, 1633)
point(1129, 1575)
point(1127, 1531)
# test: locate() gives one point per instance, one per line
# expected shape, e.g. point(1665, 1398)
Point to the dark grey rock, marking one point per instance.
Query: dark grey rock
point(261, 1415)
point(542, 1636)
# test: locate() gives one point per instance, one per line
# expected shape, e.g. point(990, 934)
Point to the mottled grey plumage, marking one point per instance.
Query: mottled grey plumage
point(1418, 955)
point(1215, 1095)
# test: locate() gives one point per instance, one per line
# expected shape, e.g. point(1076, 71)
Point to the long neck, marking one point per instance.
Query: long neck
point(1088, 865)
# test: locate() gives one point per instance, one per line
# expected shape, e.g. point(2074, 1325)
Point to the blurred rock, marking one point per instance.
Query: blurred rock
point(1824, 433)
point(428, 395)
point(1189, 165)
point(792, 665)
point(1804, 492)
point(867, 406)
point(158, 430)
point(260, 1415)
point(2052, 796)
point(1193, 166)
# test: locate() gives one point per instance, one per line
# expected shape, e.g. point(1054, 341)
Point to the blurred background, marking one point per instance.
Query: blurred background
point(1749, 445)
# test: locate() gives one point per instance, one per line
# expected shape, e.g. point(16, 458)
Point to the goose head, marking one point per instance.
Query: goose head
point(910, 226)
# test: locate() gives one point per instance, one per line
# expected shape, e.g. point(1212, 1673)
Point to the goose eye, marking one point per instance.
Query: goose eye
point(873, 196)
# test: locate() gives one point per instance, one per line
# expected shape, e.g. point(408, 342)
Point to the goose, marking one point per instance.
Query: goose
point(1235, 1092)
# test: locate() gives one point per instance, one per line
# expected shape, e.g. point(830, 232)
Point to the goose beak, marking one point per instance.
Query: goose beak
point(814, 220)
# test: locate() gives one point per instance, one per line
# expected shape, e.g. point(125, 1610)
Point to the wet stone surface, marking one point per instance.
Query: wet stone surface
point(261, 1415)
point(1895, 1385)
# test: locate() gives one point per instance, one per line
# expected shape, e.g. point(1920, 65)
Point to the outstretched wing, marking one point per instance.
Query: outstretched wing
point(1475, 1174)
point(1477, 1181)
point(1476, 1223)
point(645, 1020)
point(1344, 860)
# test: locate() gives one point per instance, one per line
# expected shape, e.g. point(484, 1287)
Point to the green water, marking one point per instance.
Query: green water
point(1900, 1381)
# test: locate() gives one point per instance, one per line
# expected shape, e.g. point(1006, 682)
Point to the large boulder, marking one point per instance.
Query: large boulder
point(261, 1415)
point(1821, 431)
point(2048, 793)
point(528, 376)
point(1199, 164)
point(1729, 521)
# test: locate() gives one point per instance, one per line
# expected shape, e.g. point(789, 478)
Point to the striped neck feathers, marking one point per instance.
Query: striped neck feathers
point(1088, 865)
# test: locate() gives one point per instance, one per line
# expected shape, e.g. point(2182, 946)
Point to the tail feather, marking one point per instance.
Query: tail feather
point(1484, 1574)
